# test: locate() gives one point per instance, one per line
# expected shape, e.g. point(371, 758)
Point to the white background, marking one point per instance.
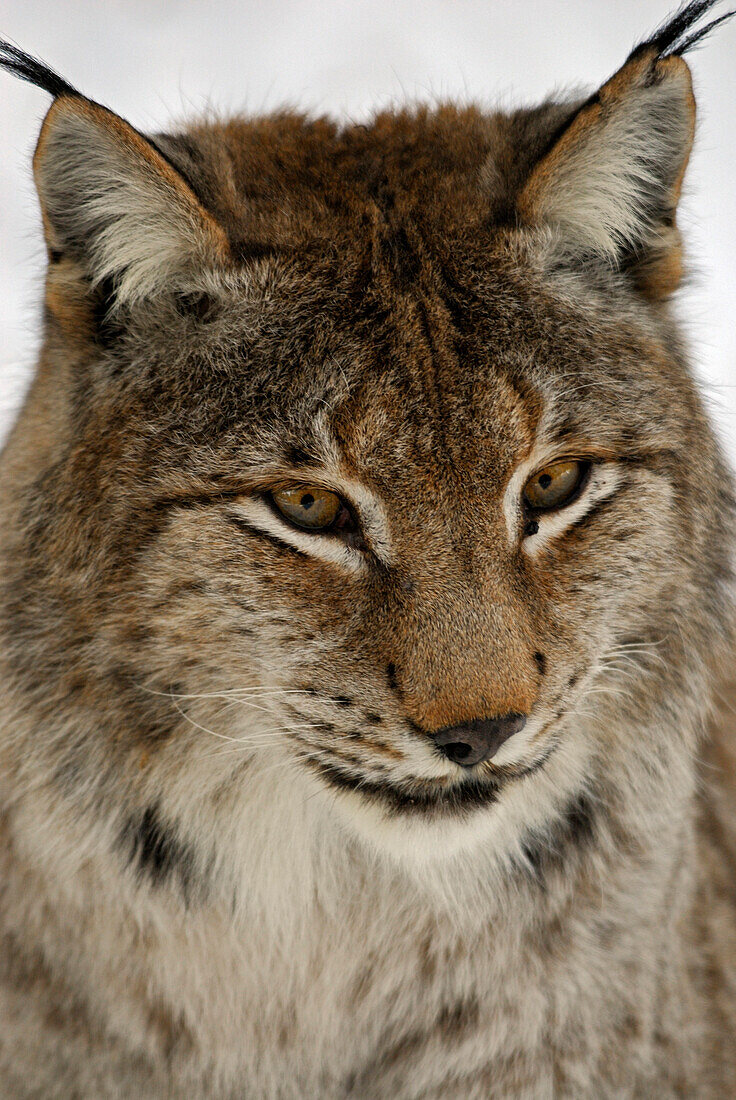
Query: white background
point(157, 60)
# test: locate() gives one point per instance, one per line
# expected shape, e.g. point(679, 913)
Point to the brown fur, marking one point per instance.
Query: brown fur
point(233, 860)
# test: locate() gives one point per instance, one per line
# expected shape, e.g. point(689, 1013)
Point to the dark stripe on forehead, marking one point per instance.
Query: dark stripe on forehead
point(467, 397)
point(430, 352)
point(393, 251)
point(465, 306)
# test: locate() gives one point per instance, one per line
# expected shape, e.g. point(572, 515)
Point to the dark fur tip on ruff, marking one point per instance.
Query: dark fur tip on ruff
point(675, 37)
point(21, 64)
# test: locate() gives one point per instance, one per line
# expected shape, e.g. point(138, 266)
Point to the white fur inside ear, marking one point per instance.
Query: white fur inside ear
point(104, 195)
point(608, 190)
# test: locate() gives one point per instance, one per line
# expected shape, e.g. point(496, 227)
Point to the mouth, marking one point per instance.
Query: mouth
point(429, 797)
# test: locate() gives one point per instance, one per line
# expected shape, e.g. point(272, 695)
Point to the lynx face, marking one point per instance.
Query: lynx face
point(372, 454)
point(445, 597)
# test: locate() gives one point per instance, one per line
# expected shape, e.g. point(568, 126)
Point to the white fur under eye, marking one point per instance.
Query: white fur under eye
point(328, 547)
point(602, 482)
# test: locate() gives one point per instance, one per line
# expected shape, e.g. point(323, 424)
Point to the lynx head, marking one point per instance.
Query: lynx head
point(363, 468)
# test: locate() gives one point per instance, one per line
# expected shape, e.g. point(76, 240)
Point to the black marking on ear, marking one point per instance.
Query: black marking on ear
point(549, 850)
point(671, 39)
point(155, 852)
point(26, 67)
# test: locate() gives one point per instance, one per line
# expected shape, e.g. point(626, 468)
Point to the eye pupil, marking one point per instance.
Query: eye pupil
point(557, 485)
point(309, 507)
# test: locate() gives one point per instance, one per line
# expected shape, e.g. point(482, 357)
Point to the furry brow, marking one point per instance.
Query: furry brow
point(29, 68)
point(671, 38)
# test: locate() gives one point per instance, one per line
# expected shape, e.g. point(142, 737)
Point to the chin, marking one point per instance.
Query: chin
point(427, 822)
point(417, 836)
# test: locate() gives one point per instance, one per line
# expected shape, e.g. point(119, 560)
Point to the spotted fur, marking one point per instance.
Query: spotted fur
point(233, 860)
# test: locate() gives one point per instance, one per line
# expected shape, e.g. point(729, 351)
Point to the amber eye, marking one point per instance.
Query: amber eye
point(555, 485)
point(308, 506)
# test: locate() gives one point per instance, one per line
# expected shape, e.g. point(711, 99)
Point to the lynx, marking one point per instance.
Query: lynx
point(367, 613)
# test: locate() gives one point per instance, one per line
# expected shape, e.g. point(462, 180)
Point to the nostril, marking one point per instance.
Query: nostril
point(475, 741)
point(457, 751)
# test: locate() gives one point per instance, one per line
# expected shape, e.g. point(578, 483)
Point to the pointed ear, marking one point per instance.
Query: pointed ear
point(113, 203)
point(610, 184)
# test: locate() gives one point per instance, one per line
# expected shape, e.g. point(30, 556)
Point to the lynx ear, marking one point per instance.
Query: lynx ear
point(611, 181)
point(110, 199)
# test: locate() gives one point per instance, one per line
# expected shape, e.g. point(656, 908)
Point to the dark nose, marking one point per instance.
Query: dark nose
point(477, 740)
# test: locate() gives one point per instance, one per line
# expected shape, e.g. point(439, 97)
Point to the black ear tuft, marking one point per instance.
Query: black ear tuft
point(34, 71)
point(672, 39)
